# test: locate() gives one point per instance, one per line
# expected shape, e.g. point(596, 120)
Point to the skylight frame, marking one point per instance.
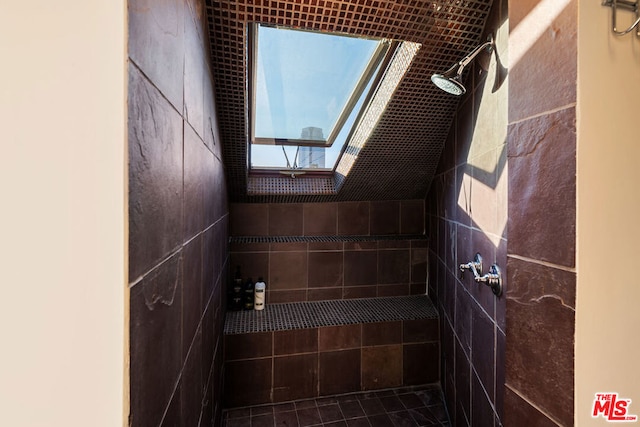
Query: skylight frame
point(371, 73)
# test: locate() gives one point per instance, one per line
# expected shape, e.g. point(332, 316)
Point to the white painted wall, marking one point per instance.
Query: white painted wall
point(608, 216)
point(63, 213)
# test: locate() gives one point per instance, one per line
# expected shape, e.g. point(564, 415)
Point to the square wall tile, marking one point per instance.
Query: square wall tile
point(288, 270)
point(295, 377)
point(419, 330)
point(285, 219)
point(353, 219)
point(325, 269)
point(252, 264)
point(339, 337)
point(320, 219)
point(385, 218)
point(339, 372)
point(249, 219)
point(248, 346)
point(412, 217)
point(394, 266)
point(381, 367)
point(360, 268)
point(421, 363)
point(295, 341)
point(247, 382)
point(381, 333)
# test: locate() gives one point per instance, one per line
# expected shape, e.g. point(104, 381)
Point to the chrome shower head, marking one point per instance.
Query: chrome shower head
point(451, 80)
point(449, 84)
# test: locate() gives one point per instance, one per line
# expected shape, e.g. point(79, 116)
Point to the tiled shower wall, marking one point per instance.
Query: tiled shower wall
point(178, 219)
point(311, 271)
point(466, 214)
point(542, 217)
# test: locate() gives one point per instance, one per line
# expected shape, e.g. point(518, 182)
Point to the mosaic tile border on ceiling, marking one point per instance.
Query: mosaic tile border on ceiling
point(401, 155)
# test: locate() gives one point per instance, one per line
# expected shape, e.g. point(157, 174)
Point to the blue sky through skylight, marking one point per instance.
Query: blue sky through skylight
point(303, 79)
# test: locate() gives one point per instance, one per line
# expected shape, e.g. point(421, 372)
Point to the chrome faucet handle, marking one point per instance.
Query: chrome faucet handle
point(475, 266)
point(493, 279)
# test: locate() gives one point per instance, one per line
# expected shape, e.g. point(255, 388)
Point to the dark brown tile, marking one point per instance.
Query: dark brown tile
point(308, 417)
point(155, 176)
point(394, 244)
point(156, 351)
point(540, 320)
point(423, 417)
point(284, 407)
point(464, 304)
point(252, 264)
point(285, 219)
point(394, 266)
point(412, 217)
point(481, 410)
point(420, 330)
point(320, 219)
point(360, 292)
point(247, 382)
point(191, 386)
point(195, 157)
point(304, 404)
point(353, 219)
point(249, 219)
point(286, 419)
point(191, 292)
point(381, 420)
point(262, 410)
point(279, 297)
point(351, 409)
point(381, 367)
point(392, 403)
point(542, 156)
point(517, 409)
point(288, 270)
point(358, 422)
point(323, 294)
point(330, 400)
point(372, 406)
point(339, 337)
point(550, 51)
point(238, 422)
point(262, 420)
point(419, 257)
point(194, 71)
point(288, 246)
point(385, 218)
point(330, 413)
point(340, 423)
point(418, 289)
point(381, 333)
point(238, 413)
point(248, 346)
point(173, 414)
point(156, 45)
point(339, 372)
point(420, 363)
point(360, 268)
point(483, 349)
point(249, 247)
point(325, 246)
point(393, 290)
point(361, 245)
point(295, 341)
point(302, 384)
point(411, 400)
point(325, 269)
point(462, 386)
point(500, 374)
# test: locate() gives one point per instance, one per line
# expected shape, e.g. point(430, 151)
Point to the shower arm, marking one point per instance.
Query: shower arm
point(467, 59)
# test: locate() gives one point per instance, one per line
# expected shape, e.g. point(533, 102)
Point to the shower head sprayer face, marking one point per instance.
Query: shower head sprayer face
point(449, 84)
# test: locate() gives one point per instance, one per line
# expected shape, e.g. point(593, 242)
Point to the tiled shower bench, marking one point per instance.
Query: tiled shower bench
point(300, 350)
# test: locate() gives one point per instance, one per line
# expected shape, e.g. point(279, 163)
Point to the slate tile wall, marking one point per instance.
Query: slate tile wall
point(178, 216)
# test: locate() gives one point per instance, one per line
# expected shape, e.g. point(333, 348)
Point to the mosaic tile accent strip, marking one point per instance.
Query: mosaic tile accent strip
point(300, 315)
point(322, 239)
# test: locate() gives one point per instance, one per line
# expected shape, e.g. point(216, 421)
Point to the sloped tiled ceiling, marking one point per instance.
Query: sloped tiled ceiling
point(401, 155)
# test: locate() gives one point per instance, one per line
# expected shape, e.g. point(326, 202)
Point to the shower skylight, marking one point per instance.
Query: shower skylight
point(307, 90)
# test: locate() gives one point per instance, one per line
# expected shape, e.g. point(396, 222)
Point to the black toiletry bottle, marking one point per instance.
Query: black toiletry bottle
point(248, 294)
point(236, 300)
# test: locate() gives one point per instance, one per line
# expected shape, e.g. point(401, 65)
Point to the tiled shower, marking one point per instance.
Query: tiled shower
point(488, 178)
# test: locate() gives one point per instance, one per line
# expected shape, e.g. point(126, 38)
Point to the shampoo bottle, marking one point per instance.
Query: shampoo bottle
point(259, 294)
point(248, 295)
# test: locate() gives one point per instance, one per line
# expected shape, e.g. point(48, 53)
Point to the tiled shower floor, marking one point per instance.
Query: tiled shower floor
point(402, 407)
